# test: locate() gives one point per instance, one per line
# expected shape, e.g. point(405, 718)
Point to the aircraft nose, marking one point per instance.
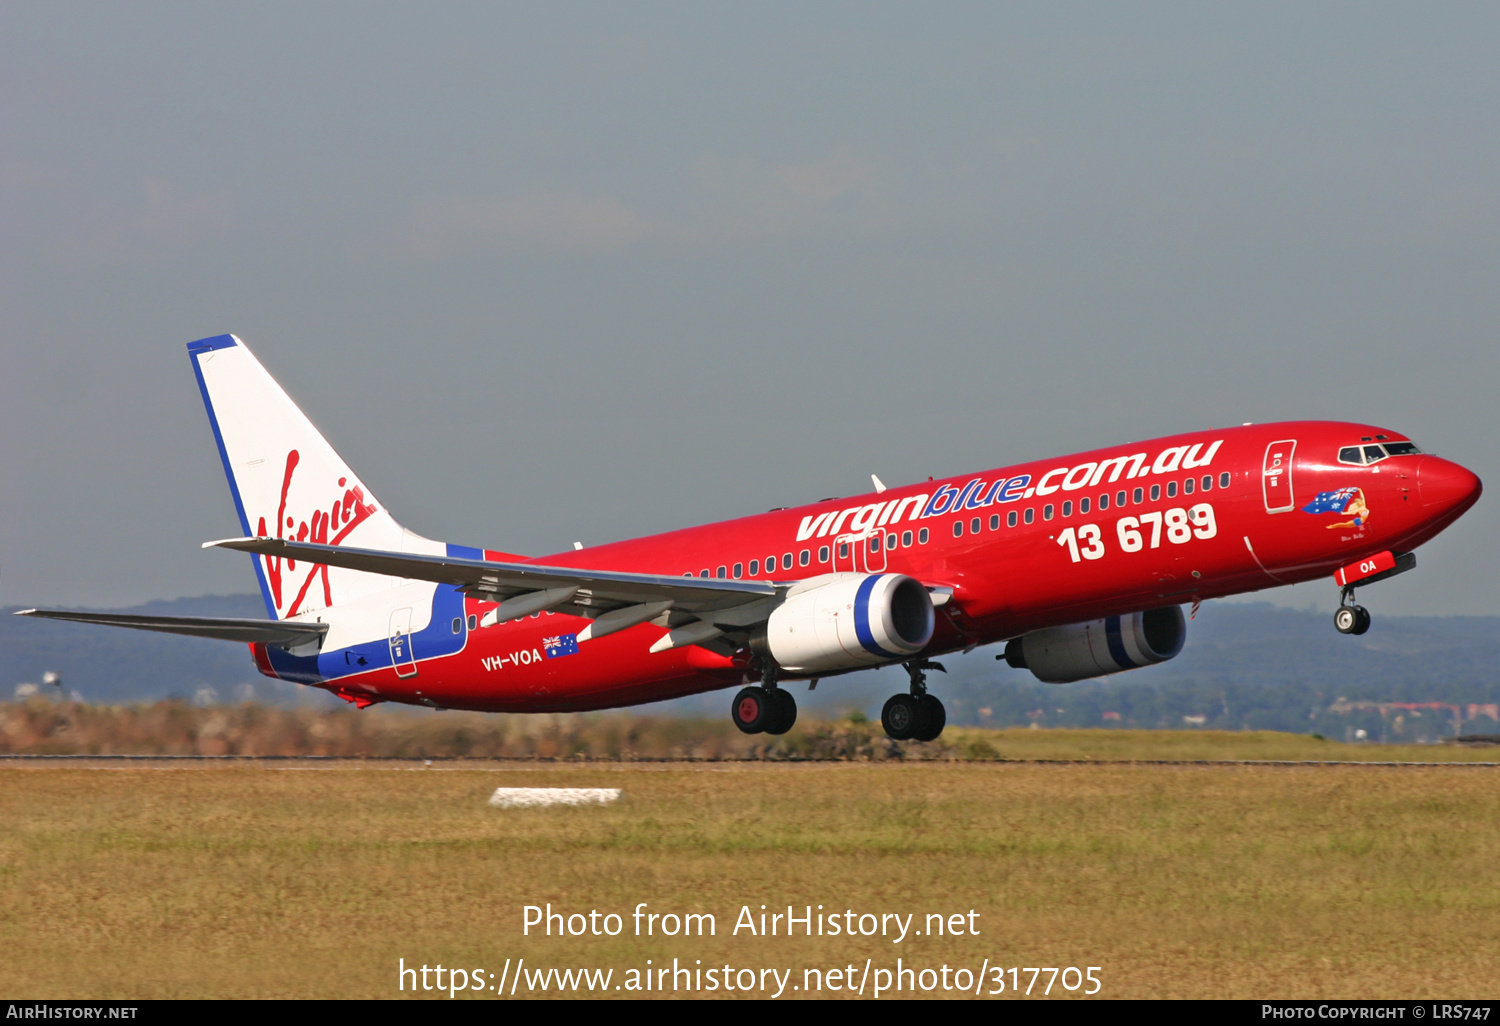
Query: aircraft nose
point(1444, 485)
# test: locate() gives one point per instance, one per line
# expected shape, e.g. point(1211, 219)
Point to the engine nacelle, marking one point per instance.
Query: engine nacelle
point(1059, 655)
point(845, 621)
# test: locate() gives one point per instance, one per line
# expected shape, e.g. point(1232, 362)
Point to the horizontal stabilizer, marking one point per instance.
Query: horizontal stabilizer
point(598, 590)
point(285, 633)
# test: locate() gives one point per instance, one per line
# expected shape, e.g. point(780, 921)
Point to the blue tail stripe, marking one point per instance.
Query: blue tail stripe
point(207, 345)
point(204, 345)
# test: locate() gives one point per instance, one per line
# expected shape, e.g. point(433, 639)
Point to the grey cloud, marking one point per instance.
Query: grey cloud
point(456, 226)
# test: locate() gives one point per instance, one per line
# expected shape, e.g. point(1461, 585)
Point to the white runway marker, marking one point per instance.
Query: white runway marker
point(522, 797)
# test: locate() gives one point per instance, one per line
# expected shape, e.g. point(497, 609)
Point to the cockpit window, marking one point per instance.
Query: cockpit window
point(1367, 454)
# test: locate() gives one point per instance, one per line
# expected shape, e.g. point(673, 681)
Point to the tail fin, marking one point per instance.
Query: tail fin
point(288, 482)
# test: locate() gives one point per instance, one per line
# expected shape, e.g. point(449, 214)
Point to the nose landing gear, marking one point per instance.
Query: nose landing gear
point(917, 716)
point(1350, 618)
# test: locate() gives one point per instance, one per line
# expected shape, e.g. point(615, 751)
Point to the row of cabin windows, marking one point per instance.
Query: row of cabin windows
point(1086, 504)
point(804, 558)
point(458, 621)
point(891, 541)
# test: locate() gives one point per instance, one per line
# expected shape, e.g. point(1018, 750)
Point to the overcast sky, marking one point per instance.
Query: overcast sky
point(546, 272)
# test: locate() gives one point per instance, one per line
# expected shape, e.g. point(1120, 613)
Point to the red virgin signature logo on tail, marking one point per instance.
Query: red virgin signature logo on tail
point(343, 516)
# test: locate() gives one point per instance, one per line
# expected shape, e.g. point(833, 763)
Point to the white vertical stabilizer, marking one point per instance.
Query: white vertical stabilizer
point(288, 482)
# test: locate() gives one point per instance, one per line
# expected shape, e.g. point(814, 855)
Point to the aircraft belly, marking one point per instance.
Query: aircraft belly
point(533, 664)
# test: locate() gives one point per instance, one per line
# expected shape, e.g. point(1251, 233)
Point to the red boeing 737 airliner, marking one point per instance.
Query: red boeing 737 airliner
point(1080, 564)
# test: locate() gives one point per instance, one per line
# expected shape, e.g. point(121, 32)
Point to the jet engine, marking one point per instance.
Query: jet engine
point(1059, 655)
point(845, 621)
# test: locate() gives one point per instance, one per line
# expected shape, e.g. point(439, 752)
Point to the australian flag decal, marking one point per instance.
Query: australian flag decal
point(562, 645)
point(1330, 502)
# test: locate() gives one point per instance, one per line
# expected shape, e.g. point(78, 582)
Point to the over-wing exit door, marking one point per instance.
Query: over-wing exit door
point(1276, 476)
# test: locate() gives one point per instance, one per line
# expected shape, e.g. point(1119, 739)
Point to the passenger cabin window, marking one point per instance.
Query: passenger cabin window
point(974, 526)
point(739, 570)
point(890, 542)
point(958, 528)
point(1068, 508)
point(1208, 482)
point(843, 550)
point(1119, 498)
point(1155, 492)
point(786, 561)
point(1171, 489)
point(1083, 505)
point(1224, 479)
point(1010, 519)
point(922, 536)
point(1030, 514)
point(702, 573)
point(458, 624)
point(905, 539)
point(1138, 496)
point(1187, 487)
point(1103, 502)
point(755, 568)
point(1047, 511)
point(804, 557)
point(474, 620)
point(823, 554)
point(994, 521)
point(875, 543)
point(722, 572)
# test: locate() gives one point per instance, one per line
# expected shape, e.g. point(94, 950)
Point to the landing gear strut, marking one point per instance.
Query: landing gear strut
point(1350, 618)
point(766, 709)
point(917, 716)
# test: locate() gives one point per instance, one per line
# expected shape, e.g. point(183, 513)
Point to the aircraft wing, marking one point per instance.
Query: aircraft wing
point(597, 590)
point(274, 632)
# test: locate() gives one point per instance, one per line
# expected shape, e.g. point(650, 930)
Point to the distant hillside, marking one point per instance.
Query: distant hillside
point(1246, 666)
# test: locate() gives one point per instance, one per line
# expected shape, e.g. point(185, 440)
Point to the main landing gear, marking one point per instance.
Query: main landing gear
point(1350, 618)
point(766, 709)
point(917, 716)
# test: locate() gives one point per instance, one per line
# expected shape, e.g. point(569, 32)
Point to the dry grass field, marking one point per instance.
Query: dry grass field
point(312, 880)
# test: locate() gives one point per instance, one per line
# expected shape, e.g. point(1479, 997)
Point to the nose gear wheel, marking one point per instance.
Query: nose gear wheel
point(1351, 620)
